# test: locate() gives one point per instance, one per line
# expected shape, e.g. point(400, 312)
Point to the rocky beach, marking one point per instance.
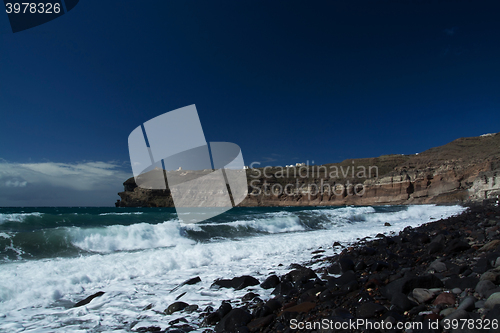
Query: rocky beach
point(443, 275)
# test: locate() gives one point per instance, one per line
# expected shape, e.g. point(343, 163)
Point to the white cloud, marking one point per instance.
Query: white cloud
point(15, 183)
point(65, 183)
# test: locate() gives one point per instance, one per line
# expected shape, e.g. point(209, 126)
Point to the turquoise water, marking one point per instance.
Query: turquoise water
point(45, 232)
point(51, 258)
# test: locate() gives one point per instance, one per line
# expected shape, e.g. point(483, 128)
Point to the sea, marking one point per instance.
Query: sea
point(51, 258)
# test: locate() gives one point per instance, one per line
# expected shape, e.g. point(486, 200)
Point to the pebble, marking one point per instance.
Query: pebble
point(422, 295)
point(447, 312)
point(468, 304)
point(445, 298)
point(438, 266)
point(484, 286)
point(492, 301)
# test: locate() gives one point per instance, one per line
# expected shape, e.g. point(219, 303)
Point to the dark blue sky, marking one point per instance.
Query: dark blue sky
point(288, 81)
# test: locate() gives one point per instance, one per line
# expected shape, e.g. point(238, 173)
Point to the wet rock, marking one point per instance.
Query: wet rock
point(367, 251)
point(334, 269)
point(249, 296)
point(302, 307)
point(447, 312)
point(369, 310)
point(237, 283)
point(346, 264)
point(481, 266)
point(178, 320)
point(233, 321)
point(445, 298)
point(270, 282)
point(88, 299)
point(491, 276)
point(260, 323)
point(342, 280)
point(484, 286)
point(491, 246)
point(492, 301)
point(491, 292)
point(437, 266)
point(458, 315)
point(149, 329)
point(211, 319)
point(468, 304)
point(494, 314)
point(224, 309)
point(191, 308)
point(434, 247)
point(174, 307)
point(387, 224)
point(284, 288)
point(350, 286)
point(401, 301)
point(422, 295)
point(456, 245)
point(273, 304)
point(379, 266)
point(407, 284)
point(191, 281)
point(360, 266)
point(462, 283)
point(300, 275)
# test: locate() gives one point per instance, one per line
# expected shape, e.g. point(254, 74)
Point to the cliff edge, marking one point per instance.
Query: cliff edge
point(466, 169)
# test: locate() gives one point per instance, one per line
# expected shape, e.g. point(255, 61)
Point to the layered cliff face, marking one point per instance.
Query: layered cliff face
point(467, 169)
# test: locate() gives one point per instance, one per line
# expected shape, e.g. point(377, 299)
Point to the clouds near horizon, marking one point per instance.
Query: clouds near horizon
point(61, 184)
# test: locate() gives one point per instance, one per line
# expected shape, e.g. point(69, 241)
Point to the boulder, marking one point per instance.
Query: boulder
point(174, 307)
point(300, 275)
point(237, 283)
point(270, 282)
point(235, 319)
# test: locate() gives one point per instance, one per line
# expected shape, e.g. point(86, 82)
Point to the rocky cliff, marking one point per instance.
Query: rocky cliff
point(467, 169)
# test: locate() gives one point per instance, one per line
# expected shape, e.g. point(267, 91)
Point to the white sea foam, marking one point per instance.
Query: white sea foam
point(17, 217)
point(127, 213)
point(33, 293)
point(127, 238)
point(274, 223)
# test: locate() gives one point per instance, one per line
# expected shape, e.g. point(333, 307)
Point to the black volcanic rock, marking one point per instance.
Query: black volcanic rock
point(237, 283)
point(270, 282)
point(88, 299)
point(235, 319)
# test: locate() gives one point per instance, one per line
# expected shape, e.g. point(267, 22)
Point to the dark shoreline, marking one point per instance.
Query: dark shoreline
point(443, 270)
